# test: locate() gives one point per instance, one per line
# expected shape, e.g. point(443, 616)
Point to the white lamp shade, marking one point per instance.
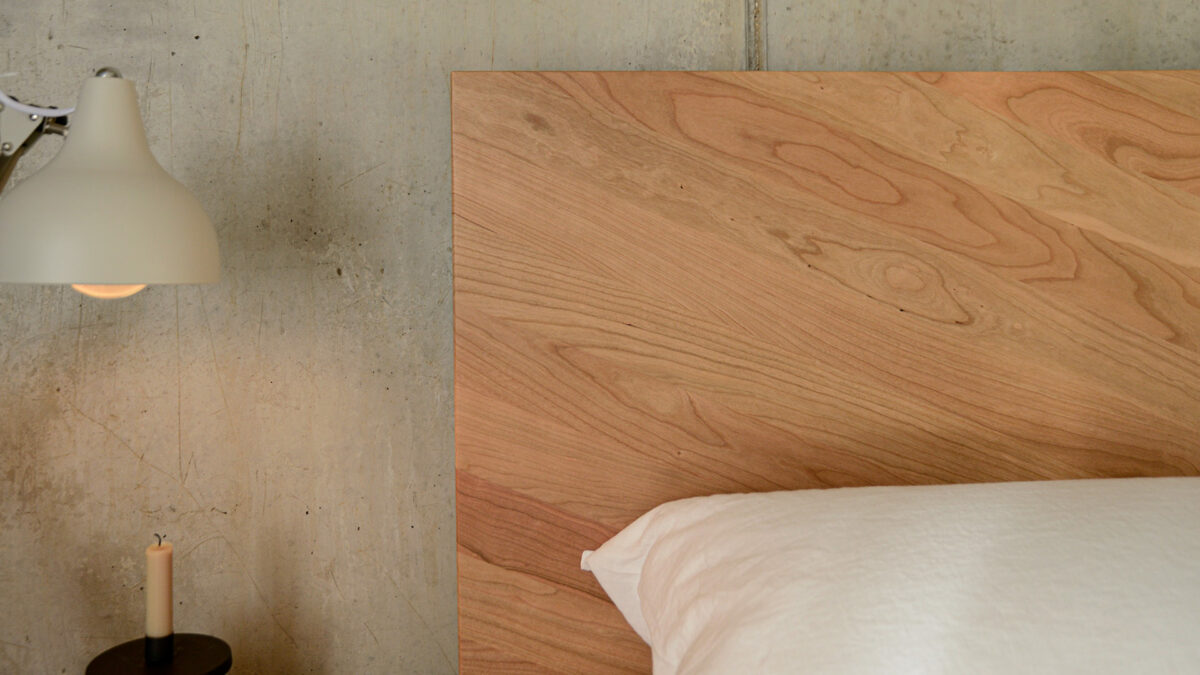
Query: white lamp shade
point(103, 211)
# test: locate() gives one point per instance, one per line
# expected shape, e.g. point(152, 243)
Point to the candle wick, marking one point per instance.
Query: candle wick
point(160, 538)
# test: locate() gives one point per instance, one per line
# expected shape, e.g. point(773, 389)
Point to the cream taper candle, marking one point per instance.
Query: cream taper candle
point(158, 590)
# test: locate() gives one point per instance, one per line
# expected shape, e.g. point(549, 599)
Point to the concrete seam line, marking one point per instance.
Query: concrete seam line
point(756, 53)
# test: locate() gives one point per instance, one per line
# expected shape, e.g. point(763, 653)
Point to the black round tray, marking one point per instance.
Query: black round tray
point(195, 654)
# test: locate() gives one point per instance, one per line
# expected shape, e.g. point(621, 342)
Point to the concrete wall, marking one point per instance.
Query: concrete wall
point(290, 427)
point(982, 34)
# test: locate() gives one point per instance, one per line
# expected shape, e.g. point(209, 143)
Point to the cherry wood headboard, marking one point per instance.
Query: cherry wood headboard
point(674, 284)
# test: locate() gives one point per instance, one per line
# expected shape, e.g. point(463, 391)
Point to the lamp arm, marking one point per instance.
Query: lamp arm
point(20, 129)
point(9, 102)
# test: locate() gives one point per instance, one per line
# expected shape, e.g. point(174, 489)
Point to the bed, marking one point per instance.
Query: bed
point(678, 284)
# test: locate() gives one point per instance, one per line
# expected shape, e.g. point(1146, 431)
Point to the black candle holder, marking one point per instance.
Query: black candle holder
point(160, 650)
point(175, 654)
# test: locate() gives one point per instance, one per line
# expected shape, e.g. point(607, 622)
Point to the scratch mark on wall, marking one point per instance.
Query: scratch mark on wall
point(179, 393)
point(262, 306)
point(78, 355)
point(212, 349)
point(420, 617)
point(258, 590)
point(141, 457)
point(336, 586)
point(17, 666)
point(279, 67)
point(200, 543)
point(360, 175)
point(237, 146)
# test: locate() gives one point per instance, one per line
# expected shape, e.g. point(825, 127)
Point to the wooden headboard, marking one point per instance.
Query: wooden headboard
point(675, 284)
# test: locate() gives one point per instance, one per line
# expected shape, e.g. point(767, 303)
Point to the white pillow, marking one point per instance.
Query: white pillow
point(1047, 577)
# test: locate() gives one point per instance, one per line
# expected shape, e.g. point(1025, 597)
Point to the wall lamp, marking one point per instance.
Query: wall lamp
point(103, 215)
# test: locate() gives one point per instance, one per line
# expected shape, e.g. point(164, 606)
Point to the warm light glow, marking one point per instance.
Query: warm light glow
point(108, 291)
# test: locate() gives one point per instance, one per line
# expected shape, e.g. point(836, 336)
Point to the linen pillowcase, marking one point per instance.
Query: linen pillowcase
point(1056, 576)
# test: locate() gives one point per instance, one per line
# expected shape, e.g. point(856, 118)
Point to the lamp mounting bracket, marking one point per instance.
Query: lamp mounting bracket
point(18, 132)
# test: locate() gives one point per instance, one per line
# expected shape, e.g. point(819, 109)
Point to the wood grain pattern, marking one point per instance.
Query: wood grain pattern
point(674, 284)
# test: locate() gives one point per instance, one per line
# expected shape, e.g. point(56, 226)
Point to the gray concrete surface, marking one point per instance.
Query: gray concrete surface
point(290, 427)
point(981, 34)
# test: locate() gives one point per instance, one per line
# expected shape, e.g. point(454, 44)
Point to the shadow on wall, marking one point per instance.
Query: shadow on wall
point(278, 622)
point(277, 238)
point(50, 547)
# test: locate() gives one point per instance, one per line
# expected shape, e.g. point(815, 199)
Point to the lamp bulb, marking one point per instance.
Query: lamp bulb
point(108, 291)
